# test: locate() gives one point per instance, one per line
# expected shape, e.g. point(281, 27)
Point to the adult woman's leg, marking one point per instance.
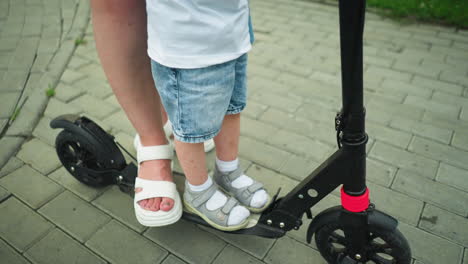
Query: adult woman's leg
point(121, 42)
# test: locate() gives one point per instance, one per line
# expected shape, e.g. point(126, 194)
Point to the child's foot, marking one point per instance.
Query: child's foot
point(250, 193)
point(217, 209)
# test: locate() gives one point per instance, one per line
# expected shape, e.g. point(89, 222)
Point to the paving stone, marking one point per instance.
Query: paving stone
point(64, 178)
point(256, 129)
point(93, 71)
point(57, 247)
point(314, 113)
point(120, 206)
point(389, 135)
point(313, 129)
point(254, 245)
point(56, 107)
point(276, 101)
point(70, 76)
point(432, 106)
point(91, 105)
point(41, 62)
point(430, 191)
point(452, 77)
point(7, 109)
point(423, 129)
point(440, 152)
point(187, 241)
point(30, 186)
point(12, 164)
point(9, 146)
point(171, 259)
point(118, 244)
point(452, 176)
point(3, 194)
point(298, 167)
point(428, 248)
point(74, 215)
point(287, 250)
point(465, 258)
point(271, 179)
point(20, 225)
point(391, 202)
point(443, 121)
point(44, 132)
point(445, 224)
point(379, 172)
point(388, 73)
point(39, 155)
point(300, 145)
point(119, 121)
point(450, 99)
point(77, 62)
point(383, 111)
point(416, 69)
point(390, 86)
point(261, 153)
point(404, 159)
point(233, 255)
point(94, 87)
point(9, 255)
point(254, 110)
point(23, 124)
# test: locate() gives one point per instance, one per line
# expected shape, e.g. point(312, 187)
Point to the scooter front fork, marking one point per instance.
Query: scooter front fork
point(354, 219)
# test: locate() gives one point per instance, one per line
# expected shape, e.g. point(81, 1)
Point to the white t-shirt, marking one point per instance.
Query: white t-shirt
point(197, 33)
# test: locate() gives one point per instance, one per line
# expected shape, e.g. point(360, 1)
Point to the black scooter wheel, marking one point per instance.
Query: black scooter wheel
point(383, 246)
point(76, 152)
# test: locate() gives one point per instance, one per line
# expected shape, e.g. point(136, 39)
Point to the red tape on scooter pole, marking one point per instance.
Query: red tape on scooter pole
point(355, 203)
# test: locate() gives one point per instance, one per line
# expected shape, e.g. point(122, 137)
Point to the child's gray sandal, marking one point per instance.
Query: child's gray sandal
point(245, 194)
point(196, 203)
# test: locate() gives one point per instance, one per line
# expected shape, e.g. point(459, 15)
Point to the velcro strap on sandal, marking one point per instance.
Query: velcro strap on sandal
point(154, 152)
point(202, 198)
point(255, 187)
point(229, 205)
point(152, 189)
point(235, 174)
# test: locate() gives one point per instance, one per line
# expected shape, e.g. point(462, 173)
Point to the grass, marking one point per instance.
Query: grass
point(50, 91)
point(15, 114)
point(80, 41)
point(449, 12)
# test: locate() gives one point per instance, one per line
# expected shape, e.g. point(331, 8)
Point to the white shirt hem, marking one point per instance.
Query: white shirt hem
point(192, 62)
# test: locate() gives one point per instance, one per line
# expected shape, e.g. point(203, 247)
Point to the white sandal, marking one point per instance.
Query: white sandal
point(152, 188)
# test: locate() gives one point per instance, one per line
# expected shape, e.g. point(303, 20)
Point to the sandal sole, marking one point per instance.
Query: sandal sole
point(190, 209)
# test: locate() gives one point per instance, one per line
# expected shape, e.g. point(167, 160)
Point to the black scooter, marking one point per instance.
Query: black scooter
point(353, 232)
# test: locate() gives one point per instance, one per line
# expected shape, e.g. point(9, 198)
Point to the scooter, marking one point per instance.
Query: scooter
point(353, 232)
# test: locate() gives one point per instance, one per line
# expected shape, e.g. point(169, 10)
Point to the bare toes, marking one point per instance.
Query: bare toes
point(149, 203)
point(167, 204)
point(156, 204)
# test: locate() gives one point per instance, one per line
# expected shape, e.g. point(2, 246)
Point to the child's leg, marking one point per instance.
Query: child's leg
point(227, 141)
point(192, 159)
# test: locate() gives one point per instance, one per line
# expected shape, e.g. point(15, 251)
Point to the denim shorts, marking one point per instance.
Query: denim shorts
point(196, 100)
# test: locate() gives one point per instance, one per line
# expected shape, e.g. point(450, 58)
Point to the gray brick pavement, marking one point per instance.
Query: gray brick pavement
point(416, 97)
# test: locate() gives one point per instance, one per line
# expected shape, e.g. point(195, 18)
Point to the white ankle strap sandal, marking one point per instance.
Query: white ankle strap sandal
point(152, 188)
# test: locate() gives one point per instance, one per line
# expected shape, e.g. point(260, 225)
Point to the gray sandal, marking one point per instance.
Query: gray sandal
point(243, 195)
point(195, 202)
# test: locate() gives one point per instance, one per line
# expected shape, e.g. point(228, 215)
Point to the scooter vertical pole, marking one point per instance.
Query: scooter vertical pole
point(353, 113)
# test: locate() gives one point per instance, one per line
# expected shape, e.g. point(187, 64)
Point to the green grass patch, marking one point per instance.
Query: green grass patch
point(450, 12)
point(50, 91)
point(80, 41)
point(15, 114)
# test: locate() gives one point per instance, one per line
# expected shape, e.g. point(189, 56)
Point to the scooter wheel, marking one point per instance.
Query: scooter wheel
point(76, 152)
point(383, 247)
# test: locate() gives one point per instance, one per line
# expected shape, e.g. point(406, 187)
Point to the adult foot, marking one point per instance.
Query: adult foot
point(156, 170)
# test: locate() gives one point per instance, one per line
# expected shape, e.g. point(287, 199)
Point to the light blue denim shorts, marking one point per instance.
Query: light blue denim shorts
point(196, 100)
